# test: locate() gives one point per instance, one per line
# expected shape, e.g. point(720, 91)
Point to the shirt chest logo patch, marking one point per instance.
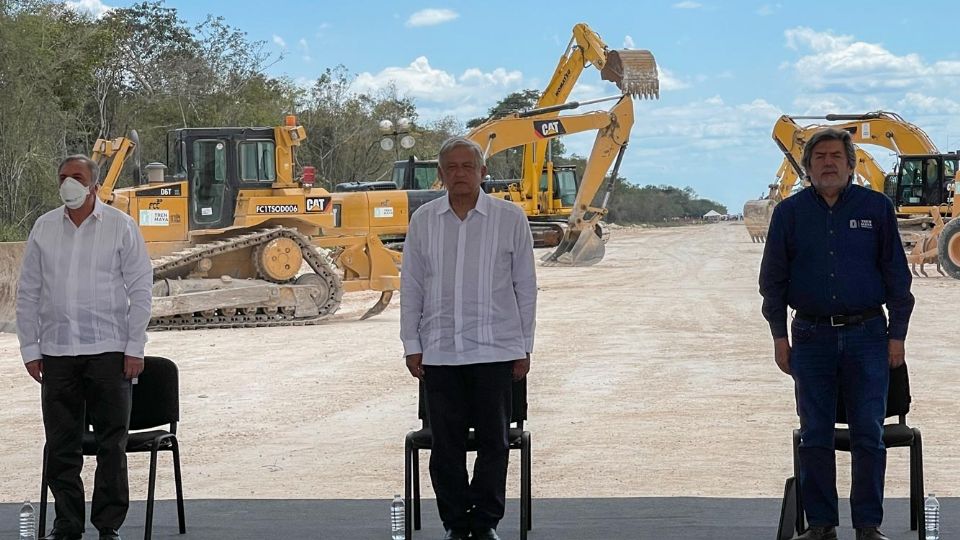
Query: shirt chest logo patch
point(861, 224)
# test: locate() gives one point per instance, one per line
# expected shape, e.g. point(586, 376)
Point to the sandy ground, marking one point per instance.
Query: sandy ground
point(652, 376)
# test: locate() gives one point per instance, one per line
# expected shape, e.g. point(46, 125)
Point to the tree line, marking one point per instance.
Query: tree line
point(67, 79)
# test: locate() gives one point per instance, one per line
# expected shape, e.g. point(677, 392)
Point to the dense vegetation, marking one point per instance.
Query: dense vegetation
point(67, 79)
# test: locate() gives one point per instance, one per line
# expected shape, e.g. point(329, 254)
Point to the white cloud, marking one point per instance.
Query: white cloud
point(94, 7)
point(923, 104)
point(688, 4)
point(768, 9)
point(279, 41)
point(668, 81)
point(440, 93)
point(628, 43)
point(840, 63)
point(729, 137)
point(431, 17)
point(305, 50)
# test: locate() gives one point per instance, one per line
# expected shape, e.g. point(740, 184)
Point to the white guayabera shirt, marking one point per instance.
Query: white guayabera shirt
point(468, 292)
point(84, 290)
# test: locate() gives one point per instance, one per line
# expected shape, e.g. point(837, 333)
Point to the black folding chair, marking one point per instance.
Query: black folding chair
point(156, 404)
point(895, 435)
point(422, 439)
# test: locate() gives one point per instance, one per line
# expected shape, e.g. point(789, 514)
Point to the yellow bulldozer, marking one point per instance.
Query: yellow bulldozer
point(922, 188)
point(229, 227)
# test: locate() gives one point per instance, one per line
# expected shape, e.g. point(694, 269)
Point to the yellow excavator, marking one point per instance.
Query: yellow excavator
point(635, 74)
point(922, 188)
point(231, 226)
point(757, 212)
point(559, 207)
point(558, 193)
point(358, 206)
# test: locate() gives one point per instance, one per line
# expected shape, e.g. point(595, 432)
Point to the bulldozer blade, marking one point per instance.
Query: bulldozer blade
point(578, 248)
point(381, 305)
point(634, 73)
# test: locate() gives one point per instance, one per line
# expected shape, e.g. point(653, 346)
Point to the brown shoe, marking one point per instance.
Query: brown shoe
point(818, 533)
point(870, 533)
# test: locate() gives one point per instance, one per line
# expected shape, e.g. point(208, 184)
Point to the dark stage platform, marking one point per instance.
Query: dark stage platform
point(680, 518)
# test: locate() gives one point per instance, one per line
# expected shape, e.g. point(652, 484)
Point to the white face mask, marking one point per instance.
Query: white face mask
point(73, 193)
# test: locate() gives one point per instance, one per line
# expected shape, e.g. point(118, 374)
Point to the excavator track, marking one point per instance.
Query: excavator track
point(180, 263)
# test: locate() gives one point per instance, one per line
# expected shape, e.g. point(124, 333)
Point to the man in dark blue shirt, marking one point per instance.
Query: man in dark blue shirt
point(833, 254)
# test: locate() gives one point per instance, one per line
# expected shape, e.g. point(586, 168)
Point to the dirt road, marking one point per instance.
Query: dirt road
point(652, 376)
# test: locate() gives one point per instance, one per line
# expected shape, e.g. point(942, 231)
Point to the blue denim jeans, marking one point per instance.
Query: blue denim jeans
point(854, 360)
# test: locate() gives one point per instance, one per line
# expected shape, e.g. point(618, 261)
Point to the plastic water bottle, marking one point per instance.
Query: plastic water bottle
point(397, 529)
point(28, 525)
point(931, 517)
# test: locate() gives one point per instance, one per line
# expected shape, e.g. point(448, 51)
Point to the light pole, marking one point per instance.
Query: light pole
point(396, 136)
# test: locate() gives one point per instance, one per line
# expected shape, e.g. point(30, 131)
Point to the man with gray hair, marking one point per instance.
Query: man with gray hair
point(83, 304)
point(833, 254)
point(468, 298)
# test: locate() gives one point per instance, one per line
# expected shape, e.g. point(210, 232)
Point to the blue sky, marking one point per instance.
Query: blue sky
point(728, 70)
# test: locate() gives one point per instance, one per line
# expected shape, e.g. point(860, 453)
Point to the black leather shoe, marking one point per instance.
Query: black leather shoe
point(109, 534)
point(870, 533)
point(456, 534)
point(57, 535)
point(485, 534)
point(818, 533)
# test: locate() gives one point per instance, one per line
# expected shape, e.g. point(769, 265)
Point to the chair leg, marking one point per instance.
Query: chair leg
point(42, 525)
point(921, 519)
point(529, 466)
point(178, 480)
point(524, 485)
point(416, 489)
point(913, 488)
point(800, 526)
point(407, 490)
point(151, 486)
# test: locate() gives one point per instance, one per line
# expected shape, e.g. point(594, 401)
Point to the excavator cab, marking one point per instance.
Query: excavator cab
point(923, 180)
point(415, 174)
point(565, 184)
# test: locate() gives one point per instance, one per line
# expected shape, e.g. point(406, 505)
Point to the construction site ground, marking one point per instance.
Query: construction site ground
point(652, 376)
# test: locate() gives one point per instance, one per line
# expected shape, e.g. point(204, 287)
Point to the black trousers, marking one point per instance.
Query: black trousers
point(458, 398)
point(75, 388)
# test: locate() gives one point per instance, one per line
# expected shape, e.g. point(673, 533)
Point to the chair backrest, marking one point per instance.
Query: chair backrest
point(898, 396)
point(156, 396)
point(518, 411)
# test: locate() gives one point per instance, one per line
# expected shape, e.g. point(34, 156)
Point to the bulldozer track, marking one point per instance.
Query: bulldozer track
point(173, 266)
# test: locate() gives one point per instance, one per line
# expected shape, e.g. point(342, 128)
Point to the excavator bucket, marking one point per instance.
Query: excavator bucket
point(756, 216)
point(634, 73)
point(578, 248)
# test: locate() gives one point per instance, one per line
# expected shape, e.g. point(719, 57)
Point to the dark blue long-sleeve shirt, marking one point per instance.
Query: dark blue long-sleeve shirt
point(839, 260)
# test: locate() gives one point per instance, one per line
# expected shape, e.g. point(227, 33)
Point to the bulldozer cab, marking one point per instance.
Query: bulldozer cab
point(922, 180)
point(217, 164)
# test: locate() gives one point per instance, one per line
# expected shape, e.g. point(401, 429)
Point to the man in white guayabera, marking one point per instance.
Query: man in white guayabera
point(468, 300)
point(83, 304)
